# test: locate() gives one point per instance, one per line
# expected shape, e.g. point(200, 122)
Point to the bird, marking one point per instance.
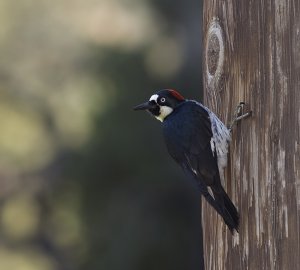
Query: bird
point(198, 141)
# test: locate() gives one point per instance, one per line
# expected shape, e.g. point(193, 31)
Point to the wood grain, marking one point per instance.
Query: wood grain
point(261, 66)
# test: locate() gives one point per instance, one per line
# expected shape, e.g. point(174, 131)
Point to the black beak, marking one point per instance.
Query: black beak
point(145, 106)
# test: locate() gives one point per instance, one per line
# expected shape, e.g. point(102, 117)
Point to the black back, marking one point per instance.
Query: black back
point(187, 133)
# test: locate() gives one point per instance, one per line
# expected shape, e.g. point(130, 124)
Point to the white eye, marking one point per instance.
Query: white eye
point(162, 100)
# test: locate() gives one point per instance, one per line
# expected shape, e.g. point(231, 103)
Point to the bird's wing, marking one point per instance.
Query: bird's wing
point(221, 139)
point(188, 137)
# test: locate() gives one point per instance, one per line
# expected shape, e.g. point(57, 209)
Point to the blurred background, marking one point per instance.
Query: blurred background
point(86, 182)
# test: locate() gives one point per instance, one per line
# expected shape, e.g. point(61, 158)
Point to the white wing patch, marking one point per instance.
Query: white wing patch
point(210, 192)
point(212, 146)
point(190, 165)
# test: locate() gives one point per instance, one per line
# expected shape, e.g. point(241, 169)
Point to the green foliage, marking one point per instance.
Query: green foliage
point(86, 181)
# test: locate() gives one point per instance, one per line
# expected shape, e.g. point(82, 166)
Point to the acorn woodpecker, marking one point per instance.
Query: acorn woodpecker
point(198, 141)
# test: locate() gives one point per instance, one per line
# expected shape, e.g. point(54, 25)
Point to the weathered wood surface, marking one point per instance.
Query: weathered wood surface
point(258, 62)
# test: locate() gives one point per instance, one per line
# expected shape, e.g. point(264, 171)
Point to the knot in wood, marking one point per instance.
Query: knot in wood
point(213, 53)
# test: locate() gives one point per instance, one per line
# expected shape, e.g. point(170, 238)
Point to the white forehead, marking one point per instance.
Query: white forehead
point(154, 97)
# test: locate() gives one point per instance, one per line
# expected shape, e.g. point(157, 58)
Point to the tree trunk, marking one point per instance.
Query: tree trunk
point(252, 54)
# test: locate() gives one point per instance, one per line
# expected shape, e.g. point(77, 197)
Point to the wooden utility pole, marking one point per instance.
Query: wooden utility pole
point(252, 54)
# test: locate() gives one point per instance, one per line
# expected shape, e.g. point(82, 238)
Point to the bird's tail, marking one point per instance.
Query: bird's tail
point(229, 212)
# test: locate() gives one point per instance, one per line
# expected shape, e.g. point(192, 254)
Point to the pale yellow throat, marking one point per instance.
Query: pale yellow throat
point(164, 112)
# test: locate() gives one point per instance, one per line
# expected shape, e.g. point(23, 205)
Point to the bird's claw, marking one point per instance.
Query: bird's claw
point(239, 114)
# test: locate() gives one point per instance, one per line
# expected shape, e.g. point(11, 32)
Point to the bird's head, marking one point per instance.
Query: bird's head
point(162, 103)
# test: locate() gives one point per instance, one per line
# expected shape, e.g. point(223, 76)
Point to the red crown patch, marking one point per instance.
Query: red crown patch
point(175, 94)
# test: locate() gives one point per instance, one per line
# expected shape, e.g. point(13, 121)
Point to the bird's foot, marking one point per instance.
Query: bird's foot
point(239, 115)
